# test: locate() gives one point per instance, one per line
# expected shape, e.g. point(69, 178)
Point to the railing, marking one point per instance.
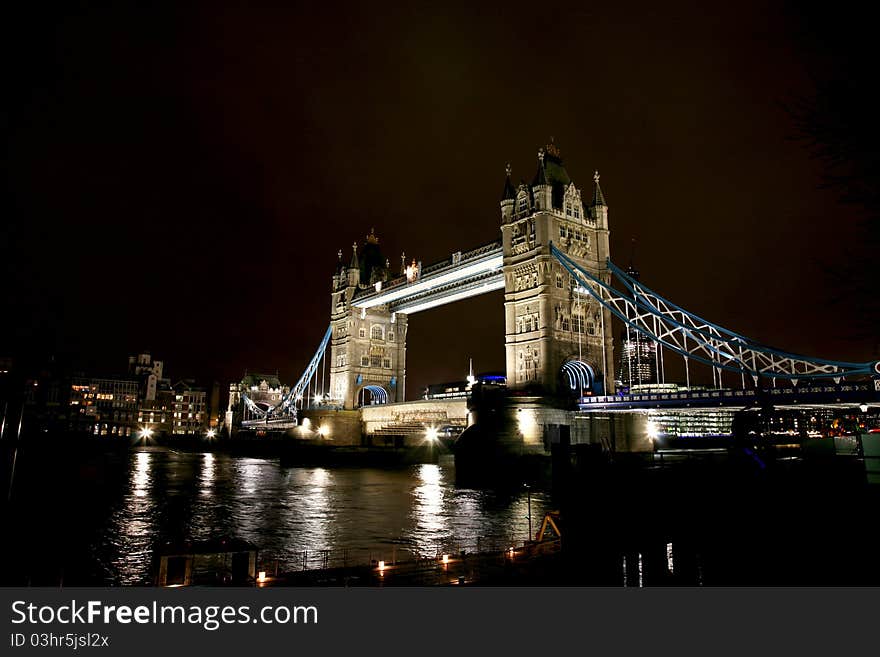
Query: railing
point(396, 553)
point(725, 393)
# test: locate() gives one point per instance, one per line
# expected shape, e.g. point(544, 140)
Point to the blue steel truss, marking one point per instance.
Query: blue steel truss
point(286, 408)
point(695, 338)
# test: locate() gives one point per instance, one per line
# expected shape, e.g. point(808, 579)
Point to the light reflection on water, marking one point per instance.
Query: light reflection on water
point(370, 513)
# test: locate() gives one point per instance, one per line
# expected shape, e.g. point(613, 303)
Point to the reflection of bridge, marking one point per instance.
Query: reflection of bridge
point(553, 263)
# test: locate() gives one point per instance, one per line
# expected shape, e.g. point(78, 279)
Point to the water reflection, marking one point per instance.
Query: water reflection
point(326, 513)
point(132, 525)
point(141, 475)
point(207, 474)
point(428, 515)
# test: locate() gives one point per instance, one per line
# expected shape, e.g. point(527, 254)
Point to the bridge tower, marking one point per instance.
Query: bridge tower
point(367, 346)
point(558, 340)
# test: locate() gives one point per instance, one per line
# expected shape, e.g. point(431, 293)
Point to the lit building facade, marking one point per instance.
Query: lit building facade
point(104, 406)
point(189, 409)
point(157, 414)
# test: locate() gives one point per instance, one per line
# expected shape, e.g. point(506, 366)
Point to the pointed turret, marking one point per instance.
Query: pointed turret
point(508, 197)
point(354, 257)
point(599, 208)
point(354, 269)
point(598, 196)
point(541, 188)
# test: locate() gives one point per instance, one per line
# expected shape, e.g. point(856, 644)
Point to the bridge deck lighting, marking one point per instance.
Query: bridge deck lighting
point(261, 577)
point(324, 431)
point(211, 433)
point(146, 432)
point(653, 430)
point(381, 566)
point(445, 559)
point(432, 434)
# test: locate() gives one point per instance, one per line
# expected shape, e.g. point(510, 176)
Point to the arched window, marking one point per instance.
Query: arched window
point(377, 332)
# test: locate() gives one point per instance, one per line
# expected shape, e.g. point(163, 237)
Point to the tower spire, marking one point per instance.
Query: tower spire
point(354, 256)
point(509, 193)
point(598, 196)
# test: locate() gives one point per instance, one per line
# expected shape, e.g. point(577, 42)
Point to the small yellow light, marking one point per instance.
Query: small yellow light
point(381, 565)
point(445, 558)
point(262, 576)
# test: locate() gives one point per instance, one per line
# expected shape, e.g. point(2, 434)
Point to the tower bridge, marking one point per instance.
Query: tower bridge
point(562, 291)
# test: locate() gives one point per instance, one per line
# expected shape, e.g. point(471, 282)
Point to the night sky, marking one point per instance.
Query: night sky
point(180, 178)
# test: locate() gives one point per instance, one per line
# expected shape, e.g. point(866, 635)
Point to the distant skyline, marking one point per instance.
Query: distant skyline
point(180, 179)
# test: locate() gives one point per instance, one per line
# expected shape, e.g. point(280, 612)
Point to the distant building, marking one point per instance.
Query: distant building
point(638, 356)
point(189, 409)
point(150, 373)
point(103, 406)
point(462, 389)
point(265, 390)
point(157, 414)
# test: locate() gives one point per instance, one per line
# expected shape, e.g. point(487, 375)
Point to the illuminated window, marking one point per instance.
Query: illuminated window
point(377, 333)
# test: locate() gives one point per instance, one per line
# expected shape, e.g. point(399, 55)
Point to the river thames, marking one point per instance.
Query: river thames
point(100, 518)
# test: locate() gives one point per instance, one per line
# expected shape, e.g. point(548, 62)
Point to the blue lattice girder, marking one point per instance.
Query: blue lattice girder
point(691, 336)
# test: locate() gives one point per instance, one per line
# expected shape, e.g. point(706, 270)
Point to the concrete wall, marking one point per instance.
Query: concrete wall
point(438, 411)
point(341, 427)
point(618, 432)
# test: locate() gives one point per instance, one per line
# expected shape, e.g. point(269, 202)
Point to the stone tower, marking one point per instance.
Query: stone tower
point(558, 339)
point(367, 348)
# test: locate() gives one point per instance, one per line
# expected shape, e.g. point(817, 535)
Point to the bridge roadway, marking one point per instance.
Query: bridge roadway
point(844, 395)
point(461, 276)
